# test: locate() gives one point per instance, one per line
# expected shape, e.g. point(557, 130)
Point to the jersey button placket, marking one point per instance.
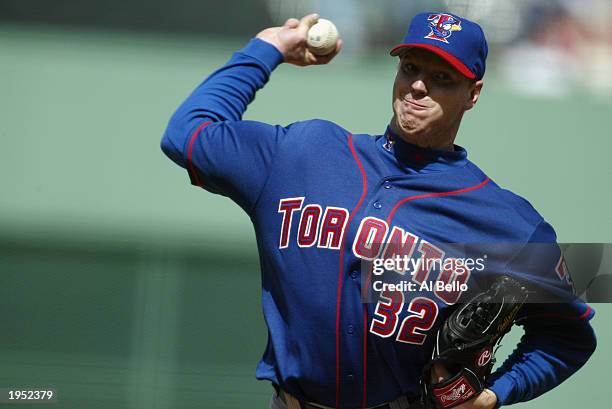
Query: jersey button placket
point(377, 204)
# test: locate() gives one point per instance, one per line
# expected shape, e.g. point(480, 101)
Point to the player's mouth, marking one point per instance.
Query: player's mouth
point(415, 105)
point(412, 108)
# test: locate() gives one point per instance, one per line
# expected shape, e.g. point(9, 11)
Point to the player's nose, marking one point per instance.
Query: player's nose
point(418, 87)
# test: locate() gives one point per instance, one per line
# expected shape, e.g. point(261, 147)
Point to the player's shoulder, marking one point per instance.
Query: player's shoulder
point(542, 231)
point(333, 136)
point(508, 203)
point(316, 133)
point(308, 130)
point(314, 127)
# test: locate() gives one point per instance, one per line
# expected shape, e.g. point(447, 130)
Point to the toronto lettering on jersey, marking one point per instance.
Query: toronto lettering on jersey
point(389, 248)
point(384, 248)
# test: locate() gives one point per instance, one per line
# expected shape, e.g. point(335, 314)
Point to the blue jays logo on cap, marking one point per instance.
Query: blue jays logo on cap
point(442, 26)
point(432, 31)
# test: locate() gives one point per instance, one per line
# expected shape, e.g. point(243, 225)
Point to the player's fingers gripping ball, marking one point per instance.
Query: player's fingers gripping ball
point(322, 37)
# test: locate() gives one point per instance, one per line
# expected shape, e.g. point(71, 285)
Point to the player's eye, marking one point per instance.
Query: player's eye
point(409, 68)
point(441, 76)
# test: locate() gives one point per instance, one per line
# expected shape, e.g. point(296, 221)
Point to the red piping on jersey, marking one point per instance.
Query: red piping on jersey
point(364, 181)
point(192, 168)
point(586, 314)
point(440, 194)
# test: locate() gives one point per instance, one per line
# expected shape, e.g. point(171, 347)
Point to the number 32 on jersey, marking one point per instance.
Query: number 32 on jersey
point(422, 315)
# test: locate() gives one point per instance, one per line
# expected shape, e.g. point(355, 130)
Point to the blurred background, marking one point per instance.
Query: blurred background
point(115, 272)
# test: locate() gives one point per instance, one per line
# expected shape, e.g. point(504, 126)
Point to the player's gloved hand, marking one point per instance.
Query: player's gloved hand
point(290, 40)
point(484, 400)
point(463, 355)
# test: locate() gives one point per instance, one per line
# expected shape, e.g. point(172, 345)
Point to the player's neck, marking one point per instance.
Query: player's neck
point(442, 141)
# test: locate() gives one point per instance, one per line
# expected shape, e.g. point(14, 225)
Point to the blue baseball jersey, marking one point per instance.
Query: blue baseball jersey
point(324, 203)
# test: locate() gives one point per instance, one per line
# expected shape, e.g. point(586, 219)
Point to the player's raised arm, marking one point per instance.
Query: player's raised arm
point(226, 93)
point(206, 134)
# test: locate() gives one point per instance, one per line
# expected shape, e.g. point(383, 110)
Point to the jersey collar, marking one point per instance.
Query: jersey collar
point(420, 159)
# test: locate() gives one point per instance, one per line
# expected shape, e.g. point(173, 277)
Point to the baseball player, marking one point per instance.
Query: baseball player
point(324, 201)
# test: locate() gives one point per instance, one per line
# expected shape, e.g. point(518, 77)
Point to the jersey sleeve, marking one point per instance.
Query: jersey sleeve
point(233, 158)
point(207, 136)
point(558, 338)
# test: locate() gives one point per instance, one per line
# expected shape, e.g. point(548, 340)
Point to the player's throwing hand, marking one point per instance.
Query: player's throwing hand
point(290, 39)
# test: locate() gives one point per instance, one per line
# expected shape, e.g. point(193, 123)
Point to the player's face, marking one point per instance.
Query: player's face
point(429, 99)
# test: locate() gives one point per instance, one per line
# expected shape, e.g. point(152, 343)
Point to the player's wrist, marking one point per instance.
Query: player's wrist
point(489, 399)
point(263, 52)
point(270, 37)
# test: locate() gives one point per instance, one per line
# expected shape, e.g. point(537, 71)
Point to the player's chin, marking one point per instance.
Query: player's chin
point(412, 121)
point(410, 125)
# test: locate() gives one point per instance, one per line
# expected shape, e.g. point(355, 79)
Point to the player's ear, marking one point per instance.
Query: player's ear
point(475, 89)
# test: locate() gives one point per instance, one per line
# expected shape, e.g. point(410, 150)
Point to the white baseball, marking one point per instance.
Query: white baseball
point(322, 37)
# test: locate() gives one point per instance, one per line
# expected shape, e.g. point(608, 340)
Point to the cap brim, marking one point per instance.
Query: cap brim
point(451, 59)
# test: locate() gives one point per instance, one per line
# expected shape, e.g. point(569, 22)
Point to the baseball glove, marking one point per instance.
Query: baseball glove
point(465, 343)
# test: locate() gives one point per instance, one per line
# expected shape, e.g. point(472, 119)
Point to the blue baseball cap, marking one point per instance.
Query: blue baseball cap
point(458, 40)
